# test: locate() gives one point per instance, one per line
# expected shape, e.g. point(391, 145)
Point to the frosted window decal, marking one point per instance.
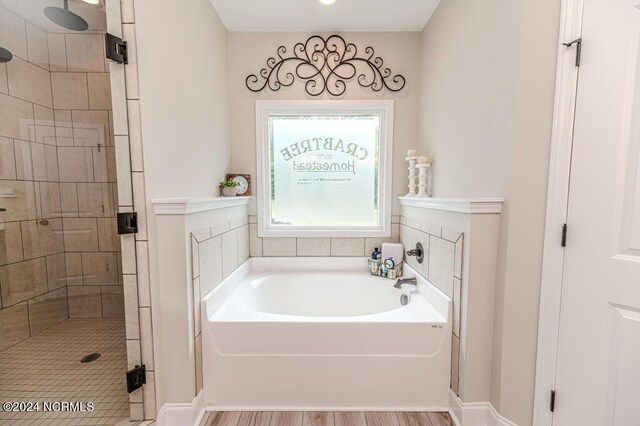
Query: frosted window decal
point(324, 169)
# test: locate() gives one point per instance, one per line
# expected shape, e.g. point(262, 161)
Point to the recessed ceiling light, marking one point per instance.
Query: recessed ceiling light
point(327, 2)
point(92, 1)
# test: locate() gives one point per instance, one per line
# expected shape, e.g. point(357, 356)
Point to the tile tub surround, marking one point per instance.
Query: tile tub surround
point(216, 251)
point(316, 247)
point(460, 239)
point(442, 266)
point(57, 181)
point(200, 240)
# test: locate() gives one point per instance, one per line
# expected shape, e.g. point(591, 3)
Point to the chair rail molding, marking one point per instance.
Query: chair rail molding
point(488, 205)
point(189, 205)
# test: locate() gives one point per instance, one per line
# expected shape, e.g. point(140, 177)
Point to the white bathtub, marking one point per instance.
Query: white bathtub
point(322, 334)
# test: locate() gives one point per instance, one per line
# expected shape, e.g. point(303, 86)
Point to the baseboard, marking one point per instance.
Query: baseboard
point(462, 413)
point(475, 413)
point(182, 414)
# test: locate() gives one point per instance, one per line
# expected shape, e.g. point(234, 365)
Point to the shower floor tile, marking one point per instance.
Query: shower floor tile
point(47, 368)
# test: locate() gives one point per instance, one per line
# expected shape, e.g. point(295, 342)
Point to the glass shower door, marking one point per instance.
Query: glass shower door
point(62, 335)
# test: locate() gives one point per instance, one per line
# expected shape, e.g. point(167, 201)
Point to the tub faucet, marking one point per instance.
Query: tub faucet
point(400, 281)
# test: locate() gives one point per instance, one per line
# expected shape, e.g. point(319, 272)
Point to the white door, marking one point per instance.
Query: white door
point(598, 368)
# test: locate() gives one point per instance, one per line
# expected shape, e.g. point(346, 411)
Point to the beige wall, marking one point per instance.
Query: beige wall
point(184, 97)
point(488, 72)
point(184, 104)
point(479, 99)
point(248, 53)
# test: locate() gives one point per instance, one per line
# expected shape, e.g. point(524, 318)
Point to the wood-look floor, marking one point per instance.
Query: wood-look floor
point(324, 418)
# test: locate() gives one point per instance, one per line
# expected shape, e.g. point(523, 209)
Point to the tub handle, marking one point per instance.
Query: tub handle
point(418, 252)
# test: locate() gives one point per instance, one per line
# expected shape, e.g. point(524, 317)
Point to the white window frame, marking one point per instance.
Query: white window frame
point(264, 109)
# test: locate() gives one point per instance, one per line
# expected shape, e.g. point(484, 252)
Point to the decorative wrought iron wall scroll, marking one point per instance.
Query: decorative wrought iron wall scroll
point(326, 65)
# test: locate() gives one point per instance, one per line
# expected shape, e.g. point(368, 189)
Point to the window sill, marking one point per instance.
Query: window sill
point(316, 233)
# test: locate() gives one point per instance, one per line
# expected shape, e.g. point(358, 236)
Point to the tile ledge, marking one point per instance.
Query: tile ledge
point(189, 205)
point(480, 205)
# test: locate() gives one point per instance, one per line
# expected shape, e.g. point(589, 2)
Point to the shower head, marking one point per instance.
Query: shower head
point(5, 55)
point(65, 18)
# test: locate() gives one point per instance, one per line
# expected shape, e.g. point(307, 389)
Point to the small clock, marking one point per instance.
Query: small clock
point(244, 183)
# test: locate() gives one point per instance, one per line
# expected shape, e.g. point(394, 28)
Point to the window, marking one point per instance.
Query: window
point(324, 168)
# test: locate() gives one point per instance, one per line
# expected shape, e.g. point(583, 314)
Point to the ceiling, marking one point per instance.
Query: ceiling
point(311, 15)
point(32, 11)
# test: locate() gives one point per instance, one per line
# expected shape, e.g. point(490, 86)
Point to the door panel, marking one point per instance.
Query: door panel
point(624, 378)
point(598, 369)
point(628, 200)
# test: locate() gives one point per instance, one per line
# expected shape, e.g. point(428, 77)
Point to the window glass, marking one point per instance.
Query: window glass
point(324, 170)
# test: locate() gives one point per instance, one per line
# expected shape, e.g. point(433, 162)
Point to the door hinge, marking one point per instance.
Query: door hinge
point(578, 43)
point(552, 401)
point(116, 49)
point(563, 243)
point(136, 378)
point(127, 223)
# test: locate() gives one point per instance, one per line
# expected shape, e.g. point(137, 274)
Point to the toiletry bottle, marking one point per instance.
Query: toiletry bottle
point(375, 253)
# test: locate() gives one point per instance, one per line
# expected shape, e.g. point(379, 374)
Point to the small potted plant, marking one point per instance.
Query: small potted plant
point(228, 188)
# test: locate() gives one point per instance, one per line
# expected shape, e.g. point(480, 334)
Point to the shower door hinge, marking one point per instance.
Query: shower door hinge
point(578, 43)
point(563, 242)
point(552, 401)
point(136, 378)
point(127, 223)
point(116, 49)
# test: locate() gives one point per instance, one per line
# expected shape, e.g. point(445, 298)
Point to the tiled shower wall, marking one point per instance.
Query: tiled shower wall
point(321, 246)
point(215, 253)
point(442, 266)
point(88, 189)
point(58, 245)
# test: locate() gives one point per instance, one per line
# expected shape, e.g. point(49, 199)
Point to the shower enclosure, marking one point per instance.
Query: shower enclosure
point(62, 328)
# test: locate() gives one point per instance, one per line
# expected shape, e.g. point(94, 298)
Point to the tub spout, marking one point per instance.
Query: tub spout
point(400, 281)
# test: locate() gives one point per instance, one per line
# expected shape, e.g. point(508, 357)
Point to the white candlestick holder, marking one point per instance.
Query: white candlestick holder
point(422, 180)
point(412, 176)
